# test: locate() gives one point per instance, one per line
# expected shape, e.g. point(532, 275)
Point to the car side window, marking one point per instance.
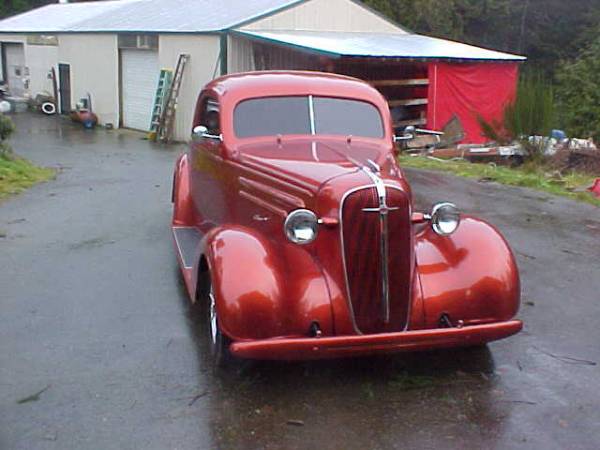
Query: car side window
point(211, 117)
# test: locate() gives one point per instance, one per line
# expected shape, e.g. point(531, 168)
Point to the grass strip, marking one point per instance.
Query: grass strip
point(18, 174)
point(572, 185)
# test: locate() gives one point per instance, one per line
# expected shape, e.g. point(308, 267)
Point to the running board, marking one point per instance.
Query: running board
point(187, 240)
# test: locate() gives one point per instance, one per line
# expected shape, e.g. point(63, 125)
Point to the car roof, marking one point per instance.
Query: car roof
point(284, 82)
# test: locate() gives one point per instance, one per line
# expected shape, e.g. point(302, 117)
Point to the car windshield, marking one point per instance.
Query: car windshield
point(270, 116)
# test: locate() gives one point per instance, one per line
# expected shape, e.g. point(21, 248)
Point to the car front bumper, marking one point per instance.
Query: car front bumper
point(362, 345)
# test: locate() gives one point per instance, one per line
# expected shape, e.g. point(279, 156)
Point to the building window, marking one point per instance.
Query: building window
point(139, 41)
point(42, 39)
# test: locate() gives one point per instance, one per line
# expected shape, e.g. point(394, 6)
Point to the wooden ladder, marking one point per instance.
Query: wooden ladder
point(164, 84)
point(167, 119)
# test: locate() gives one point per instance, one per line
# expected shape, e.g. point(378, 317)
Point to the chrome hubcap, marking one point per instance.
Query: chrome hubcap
point(214, 330)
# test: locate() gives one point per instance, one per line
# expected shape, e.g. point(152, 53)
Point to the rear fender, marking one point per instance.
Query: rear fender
point(470, 275)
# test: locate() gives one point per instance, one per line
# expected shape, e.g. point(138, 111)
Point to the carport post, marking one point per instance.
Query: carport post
point(223, 52)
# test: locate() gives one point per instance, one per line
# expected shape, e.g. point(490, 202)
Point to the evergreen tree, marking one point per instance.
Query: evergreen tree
point(578, 86)
point(546, 31)
point(12, 7)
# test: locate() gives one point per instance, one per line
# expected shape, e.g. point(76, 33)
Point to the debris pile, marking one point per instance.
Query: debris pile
point(581, 159)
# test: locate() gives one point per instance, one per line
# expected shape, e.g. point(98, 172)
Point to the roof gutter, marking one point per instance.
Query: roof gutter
point(285, 44)
point(58, 32)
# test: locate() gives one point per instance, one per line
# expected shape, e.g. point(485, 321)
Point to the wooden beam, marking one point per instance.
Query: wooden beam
point(414, 122)
point(407, 82)
point(408, 102)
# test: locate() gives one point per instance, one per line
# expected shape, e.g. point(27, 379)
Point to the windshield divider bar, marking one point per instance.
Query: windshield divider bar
point(311, 111)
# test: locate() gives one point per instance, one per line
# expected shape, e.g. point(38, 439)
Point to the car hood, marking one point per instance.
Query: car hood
point(308, 162)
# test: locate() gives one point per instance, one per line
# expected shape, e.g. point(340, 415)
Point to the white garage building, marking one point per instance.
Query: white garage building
point(114, 50)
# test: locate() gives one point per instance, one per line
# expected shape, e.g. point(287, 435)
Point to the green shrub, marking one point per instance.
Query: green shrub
point(7, 127)
point(578, 93)
point(533, 113)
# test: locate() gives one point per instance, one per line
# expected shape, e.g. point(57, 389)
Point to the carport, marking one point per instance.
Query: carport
point(427, 81)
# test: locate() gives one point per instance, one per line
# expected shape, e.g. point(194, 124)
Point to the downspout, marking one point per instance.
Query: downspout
point(224, 52)
point(4, 74)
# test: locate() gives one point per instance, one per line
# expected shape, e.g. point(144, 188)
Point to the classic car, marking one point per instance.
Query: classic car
point(294, 228)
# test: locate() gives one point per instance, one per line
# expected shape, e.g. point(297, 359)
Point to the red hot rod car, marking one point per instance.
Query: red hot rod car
point(294, 227)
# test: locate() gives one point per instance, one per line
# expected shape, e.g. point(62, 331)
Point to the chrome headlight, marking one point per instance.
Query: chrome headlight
point(445, 218)
point(301, 226)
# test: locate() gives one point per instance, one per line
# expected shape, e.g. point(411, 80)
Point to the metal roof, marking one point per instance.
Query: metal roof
point(161, 16)
point(378, 45)
point(57, 16)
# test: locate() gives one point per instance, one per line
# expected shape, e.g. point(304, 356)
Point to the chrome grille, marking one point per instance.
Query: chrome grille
point(377, 256)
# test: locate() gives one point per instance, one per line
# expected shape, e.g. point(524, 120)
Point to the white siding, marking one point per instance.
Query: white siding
point(139, 78)
point(40, 59)
point(204, 53)
point(94, 69)
point(240, 56)
point(327, 15)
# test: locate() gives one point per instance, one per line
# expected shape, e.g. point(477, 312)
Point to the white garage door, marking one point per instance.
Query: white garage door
point(139, 72)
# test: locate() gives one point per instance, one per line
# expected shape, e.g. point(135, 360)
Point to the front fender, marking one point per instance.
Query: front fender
point(261, 290)
point(471, 275)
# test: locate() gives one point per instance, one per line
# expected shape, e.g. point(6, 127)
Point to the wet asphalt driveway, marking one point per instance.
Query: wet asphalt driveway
point(93, 313)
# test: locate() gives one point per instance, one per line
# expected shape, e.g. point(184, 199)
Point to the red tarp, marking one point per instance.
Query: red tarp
point(469, 90)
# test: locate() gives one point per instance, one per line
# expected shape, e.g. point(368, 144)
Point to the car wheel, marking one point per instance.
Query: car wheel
point(218, 343)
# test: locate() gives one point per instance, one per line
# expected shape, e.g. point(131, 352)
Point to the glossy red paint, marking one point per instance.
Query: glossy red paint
point(351, 346)
point(269, 292)
point(471, 277)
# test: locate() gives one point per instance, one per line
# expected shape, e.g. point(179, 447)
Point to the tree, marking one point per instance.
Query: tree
point(12, 7)
point(578, 92)
point(546, 31)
